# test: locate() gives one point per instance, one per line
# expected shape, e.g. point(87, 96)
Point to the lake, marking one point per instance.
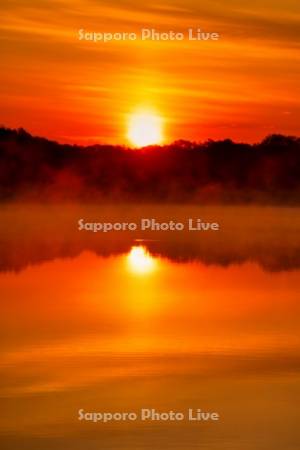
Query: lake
point(169, 321)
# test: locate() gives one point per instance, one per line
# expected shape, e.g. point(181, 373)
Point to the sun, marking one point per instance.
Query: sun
point(145, 128)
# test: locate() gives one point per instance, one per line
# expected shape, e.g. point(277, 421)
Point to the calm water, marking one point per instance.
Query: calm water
point(169, 321)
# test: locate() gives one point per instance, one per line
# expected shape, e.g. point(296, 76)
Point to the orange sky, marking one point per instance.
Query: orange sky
point(244, 86)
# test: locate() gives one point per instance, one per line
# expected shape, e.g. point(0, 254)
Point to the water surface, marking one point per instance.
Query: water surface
point(164, 321)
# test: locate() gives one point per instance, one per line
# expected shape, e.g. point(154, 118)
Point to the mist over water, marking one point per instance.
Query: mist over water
point(268, 236)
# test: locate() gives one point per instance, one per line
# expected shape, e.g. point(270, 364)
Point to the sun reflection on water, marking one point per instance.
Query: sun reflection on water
point(140, 261)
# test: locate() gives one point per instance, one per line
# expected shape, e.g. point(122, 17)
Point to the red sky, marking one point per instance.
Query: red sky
point(243, 86)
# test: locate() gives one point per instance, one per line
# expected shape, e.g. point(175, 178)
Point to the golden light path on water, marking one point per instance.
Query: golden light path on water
point(131, 330)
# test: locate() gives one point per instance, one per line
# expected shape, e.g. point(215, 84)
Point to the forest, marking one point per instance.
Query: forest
point(35, 168)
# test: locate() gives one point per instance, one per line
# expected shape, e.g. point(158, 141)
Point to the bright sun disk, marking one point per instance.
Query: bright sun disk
point(145, 128)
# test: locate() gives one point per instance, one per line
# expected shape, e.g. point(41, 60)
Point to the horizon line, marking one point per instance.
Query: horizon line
point(20, 130)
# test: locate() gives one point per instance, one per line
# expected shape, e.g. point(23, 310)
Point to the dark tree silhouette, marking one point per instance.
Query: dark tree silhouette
point(224, 171)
